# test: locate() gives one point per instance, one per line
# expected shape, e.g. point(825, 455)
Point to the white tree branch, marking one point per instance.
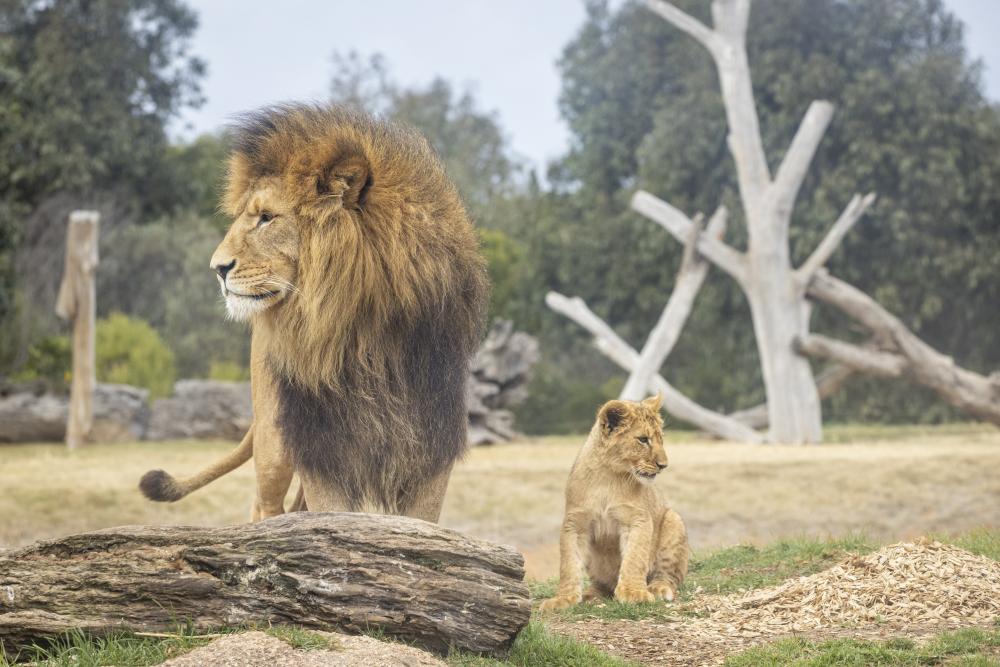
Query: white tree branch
point(864, 360)
point(685, 22)
point(668, 328)
point(795, 164)
point(676, 403)
point(679, 225)
point(852, 213)
point(971, 392)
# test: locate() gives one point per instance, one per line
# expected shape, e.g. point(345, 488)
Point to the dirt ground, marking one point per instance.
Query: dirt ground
point(889, 483)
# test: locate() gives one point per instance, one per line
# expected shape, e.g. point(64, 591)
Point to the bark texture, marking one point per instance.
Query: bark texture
point(410, 579)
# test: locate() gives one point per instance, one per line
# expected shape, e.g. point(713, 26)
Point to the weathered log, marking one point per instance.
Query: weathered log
point(407, 578)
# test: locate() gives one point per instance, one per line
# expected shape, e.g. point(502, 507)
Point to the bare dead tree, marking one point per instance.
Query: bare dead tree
point(780, 295)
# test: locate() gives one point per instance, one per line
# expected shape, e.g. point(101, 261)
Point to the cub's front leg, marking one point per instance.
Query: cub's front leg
point(573, 540)
point(637, 531)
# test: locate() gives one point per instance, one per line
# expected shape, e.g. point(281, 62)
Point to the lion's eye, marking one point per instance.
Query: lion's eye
point(644, 440)
point(264, 219)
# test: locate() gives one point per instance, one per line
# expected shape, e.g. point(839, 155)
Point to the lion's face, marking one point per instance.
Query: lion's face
point(632, 437)
point(257, 261)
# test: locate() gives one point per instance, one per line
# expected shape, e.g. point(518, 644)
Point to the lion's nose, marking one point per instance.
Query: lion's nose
point(661, 466)
point(223, 269)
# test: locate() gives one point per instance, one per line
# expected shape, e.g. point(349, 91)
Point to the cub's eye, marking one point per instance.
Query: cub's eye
point(264, 219)
point(644, 440)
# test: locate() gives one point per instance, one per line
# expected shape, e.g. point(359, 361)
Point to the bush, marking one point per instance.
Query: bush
point(49, 361)
point(129, 351)
point(228, 370)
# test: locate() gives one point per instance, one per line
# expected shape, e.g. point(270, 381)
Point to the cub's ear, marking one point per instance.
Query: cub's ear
point(613, 415)
point(349, 179)
point(653, 402)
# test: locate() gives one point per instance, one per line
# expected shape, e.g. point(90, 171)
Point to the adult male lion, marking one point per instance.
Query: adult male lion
point(354, 260)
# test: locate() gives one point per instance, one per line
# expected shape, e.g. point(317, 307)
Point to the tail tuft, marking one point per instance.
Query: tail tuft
point(160, 486)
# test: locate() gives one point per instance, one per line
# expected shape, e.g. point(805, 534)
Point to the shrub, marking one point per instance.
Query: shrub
point(129, 351)
point(228, 370)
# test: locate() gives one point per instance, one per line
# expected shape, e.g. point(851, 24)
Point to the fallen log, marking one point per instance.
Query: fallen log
point(406, 578)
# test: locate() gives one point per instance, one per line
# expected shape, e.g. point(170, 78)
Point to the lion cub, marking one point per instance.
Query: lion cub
point(616, 523)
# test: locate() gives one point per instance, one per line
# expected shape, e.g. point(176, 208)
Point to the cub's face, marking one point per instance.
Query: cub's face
point(257, 261)
point(632, 437)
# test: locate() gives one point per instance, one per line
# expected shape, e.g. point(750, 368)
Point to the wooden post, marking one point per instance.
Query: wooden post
point(77, 301)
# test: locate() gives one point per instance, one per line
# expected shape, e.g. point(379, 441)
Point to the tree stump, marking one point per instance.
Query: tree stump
point(407, 578)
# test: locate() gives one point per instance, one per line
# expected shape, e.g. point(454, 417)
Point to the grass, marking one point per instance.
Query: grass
point(968, 647)
point(536, 647)
point(78, 649)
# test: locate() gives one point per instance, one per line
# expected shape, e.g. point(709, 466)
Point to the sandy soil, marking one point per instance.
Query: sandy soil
point(890, 484)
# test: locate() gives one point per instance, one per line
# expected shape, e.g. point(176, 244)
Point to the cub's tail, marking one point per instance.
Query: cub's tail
point(162, 487)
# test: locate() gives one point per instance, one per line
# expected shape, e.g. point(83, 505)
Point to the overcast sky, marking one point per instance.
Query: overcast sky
point(263, 52)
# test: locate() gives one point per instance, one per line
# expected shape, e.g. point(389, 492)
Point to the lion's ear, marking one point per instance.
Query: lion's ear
point(653, 403)
point(349, 179)
point(613, 415)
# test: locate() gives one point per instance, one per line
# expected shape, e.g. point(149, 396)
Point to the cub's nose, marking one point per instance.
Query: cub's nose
point(223, 269)
point(661, 466)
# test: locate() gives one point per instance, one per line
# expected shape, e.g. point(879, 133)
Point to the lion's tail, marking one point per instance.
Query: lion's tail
point(162, 487)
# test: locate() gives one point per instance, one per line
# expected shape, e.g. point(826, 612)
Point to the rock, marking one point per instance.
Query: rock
point(32, 414)
point(257, 649)
point(500, 375)
point(202, 409)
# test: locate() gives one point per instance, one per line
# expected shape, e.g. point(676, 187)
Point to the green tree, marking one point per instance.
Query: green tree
point(86, 90)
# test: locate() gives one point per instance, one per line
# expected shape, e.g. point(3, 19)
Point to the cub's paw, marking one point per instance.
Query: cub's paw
point(633, 594)
point(593, 593)
point(661, 590)
point(560, 602)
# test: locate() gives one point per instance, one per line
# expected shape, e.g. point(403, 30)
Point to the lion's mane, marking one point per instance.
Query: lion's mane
point(370, 354)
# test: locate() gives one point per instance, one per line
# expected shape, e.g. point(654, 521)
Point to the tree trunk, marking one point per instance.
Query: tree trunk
point(77, 301)
point(410, 579)
point(779, 318)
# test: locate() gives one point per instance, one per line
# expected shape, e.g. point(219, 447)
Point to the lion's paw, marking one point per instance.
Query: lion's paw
point(662, 591)
point(633, 594)
point(560, 602)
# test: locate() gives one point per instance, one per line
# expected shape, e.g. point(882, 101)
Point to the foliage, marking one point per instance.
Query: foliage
point(86, 90)
point(49, 361)
point(129, 351)
point(228, 370)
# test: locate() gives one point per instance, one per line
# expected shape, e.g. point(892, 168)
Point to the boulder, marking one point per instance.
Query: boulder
point(30, 413)
point(210, 409)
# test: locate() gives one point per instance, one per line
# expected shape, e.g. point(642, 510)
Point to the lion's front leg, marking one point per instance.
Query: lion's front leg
point(635, 543)
point(670, 557)
point(573, 540)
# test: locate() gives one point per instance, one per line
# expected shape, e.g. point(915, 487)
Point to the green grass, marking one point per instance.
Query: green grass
point(78, 649)
point(535, 647)
point(965, 647)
